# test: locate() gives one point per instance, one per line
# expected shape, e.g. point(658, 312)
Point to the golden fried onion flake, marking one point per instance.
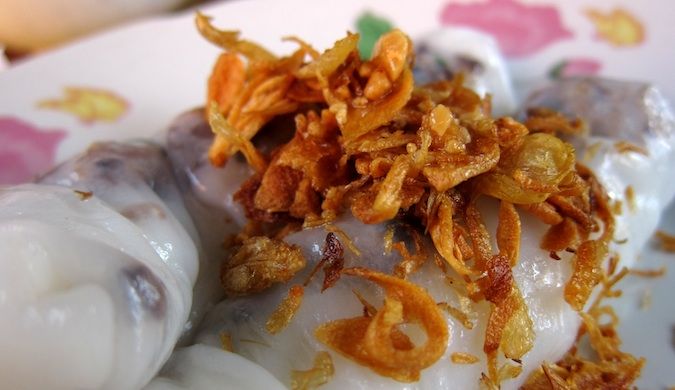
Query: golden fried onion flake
point(258, 263)
point(377, 343)
point(286, 310)
point(320, 374)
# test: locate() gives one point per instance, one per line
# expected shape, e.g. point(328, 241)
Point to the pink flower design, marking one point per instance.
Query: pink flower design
point(519, 29)
point(25, 151)
point(575, 67)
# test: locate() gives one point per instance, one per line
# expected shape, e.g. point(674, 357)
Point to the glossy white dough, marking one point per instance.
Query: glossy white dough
point(137, 180)
point(207, 189)
point(208, 196)
point(202, 367)
point(86, 299)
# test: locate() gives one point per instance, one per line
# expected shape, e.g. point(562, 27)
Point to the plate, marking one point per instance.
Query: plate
point(130, 82)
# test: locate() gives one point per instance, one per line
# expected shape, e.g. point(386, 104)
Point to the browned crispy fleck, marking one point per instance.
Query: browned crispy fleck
point(590, 254)
point(368, 309)
point(258, 263)
point(457, 314)
point(246, 195)
point(508, 232)
point(344, 238)
point(84, 195)
point(617, 207)
point(226, 80)
point(480, 238)
point(630, 198)
point(544, 211)
point(587, 273)
point(566, 234)
point(332, 261)
point(509, 329)
point(463, 358)
point(550, 121)
point(554, 380)
point(666, 241)
point(320, 374)
point(226, 342)
point(410, 263)
point(500, 279)
point(389, 238)
point(286, 310)
point(648, 273)
point(627, 147)
point(573, 210)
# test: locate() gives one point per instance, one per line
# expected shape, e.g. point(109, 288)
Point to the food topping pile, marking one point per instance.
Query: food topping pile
point(365, 139)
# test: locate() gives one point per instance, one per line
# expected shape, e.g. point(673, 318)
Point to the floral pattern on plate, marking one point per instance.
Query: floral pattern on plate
point(579, 66)
point(25, 150)
point(89, 105)
point(520, 29)
point(618, 27)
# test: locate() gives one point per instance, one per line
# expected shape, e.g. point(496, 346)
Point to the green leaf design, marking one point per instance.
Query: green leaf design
point(370, 27)
point(556, 70)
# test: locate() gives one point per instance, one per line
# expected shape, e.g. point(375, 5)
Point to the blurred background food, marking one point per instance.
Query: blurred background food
point(3, 61)
point(27, 26)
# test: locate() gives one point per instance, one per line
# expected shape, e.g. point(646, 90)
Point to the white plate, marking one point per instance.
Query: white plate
point(132, 81)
